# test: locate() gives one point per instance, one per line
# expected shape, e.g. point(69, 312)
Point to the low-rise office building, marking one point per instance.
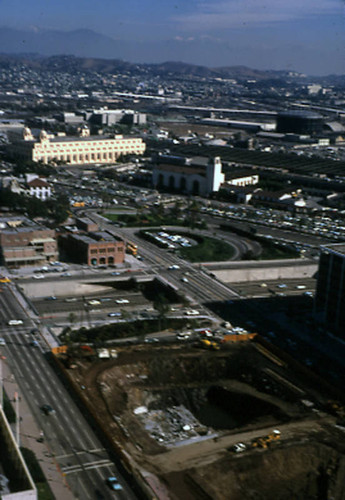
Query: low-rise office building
point(25, 243)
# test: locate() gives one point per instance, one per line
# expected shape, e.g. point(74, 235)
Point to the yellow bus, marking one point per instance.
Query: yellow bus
point(131, 248)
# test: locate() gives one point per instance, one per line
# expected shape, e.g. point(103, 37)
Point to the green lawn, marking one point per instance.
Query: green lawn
point(208, 250)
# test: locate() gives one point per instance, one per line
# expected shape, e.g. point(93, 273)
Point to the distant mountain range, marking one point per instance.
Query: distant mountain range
point(85, 50)
point(73, 64)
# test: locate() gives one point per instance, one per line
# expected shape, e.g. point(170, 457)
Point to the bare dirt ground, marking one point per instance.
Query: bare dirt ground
point(178, 411)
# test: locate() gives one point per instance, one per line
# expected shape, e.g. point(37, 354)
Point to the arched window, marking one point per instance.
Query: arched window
point(196, 187)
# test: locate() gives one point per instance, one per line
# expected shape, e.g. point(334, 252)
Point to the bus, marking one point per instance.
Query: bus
point(131, 248)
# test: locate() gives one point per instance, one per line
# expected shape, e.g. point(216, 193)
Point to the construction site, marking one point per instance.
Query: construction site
point(240, 421)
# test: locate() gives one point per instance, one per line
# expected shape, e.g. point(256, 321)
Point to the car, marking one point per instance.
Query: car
point(114, 315)
point(308, 294)
point(71, 299)
point(122, 301)
point(192, 312)
point(39, 276)
point(15, 322)
point(47, 409)
point(206, 333)
point(66, 274)
point(184, 279)
point(34, 343)
point(52, 297)
point(282, 285)
point(113, 483)
point(94, 302)
point(34, 331)
point(174, 267)
point(183, 335)
point(239, 447)
point(115, 273)
point(2, 341)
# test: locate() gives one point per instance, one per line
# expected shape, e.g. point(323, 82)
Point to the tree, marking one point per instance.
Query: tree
point(162, 306)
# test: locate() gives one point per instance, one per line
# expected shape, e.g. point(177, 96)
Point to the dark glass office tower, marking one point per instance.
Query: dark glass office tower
point(330, 291)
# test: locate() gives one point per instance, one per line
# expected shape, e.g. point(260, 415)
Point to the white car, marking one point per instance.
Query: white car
point(15, 322)
point(174, 267)
point(192, 312)
point(2, 341)
point(39, 276)
point(239, 447)
point(122, 301)
point(94, 302)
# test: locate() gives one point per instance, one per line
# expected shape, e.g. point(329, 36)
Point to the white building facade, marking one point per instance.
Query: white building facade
point(85, 149)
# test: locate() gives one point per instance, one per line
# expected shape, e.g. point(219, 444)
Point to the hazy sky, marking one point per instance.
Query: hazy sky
point(305, 35)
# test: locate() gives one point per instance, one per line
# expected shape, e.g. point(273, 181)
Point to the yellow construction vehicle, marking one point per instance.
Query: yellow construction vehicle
point(265, 441)
point(209, 344)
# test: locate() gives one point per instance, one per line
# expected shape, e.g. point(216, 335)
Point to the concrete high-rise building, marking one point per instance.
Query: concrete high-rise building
point(330, 291)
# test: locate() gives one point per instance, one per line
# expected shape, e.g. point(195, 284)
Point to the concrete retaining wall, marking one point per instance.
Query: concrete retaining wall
point(265, 273)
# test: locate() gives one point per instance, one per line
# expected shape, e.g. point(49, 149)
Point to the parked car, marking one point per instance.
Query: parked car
point(113, 483)
point(15, 322)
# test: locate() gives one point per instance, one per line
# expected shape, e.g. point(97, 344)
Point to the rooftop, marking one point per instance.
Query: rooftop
point(338, 248)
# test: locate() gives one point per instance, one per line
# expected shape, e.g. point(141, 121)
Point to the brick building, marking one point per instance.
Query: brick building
point(94, 249)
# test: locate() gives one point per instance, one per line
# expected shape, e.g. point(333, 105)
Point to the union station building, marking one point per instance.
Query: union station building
point(84, 149)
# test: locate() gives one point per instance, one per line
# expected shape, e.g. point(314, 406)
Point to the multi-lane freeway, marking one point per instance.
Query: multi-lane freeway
point(78, 453)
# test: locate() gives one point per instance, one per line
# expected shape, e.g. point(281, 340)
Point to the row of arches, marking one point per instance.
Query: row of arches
point(173, 183)
point(96, 261)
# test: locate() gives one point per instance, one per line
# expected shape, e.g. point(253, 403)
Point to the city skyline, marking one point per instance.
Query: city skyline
point(307, 37)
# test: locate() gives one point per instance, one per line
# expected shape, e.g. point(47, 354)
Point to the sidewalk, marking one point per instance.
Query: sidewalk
point(29, 435)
